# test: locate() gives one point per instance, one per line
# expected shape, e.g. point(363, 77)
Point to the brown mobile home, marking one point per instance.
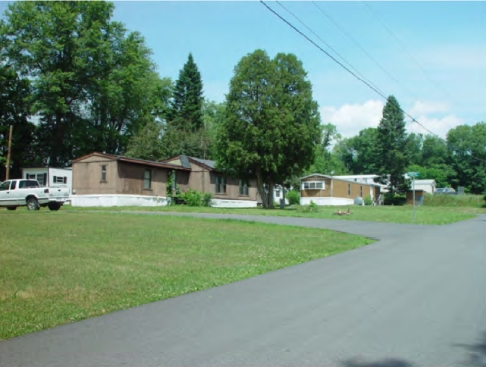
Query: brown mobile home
point(330, 190)
point(105, 179)
point(225, 190)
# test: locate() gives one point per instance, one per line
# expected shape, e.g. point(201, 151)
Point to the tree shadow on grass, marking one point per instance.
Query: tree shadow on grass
point(388, 362)
point(476, 352)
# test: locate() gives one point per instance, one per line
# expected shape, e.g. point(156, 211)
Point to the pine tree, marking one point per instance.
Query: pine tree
point(391, 147)
point(187, 105)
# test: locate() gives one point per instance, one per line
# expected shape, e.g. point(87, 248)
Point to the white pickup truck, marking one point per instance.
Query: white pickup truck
point(15, 193)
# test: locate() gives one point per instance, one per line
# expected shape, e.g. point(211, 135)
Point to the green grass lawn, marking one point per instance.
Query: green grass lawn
point(58, 267)
point(393, 214)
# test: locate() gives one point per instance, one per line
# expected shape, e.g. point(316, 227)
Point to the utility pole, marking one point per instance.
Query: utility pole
point(8, 153)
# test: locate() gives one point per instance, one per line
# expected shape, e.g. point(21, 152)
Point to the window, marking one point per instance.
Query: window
point(313, 185)
point(41, 178)
point(59, 179)
point(349, 189)
point(30, 176)
point(361, 191)
point(12, 186)
point(243, 187)
point(220, 185)
point(103, 173)
point(147, 179)
point(5, 186)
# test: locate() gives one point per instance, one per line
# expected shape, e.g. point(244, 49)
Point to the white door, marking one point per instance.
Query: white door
point(7, 197)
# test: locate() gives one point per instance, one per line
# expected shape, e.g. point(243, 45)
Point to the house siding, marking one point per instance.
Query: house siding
point(87, 176)
point(131, 180)
point(339, 189)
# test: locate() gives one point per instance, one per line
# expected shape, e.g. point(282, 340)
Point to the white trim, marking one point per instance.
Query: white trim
point(326, 201)
point(117, 200)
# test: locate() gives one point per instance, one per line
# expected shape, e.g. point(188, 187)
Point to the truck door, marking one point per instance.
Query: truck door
point(7, 197)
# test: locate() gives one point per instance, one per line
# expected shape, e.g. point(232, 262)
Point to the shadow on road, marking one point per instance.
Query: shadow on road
point(476, 352)
point(389, 362)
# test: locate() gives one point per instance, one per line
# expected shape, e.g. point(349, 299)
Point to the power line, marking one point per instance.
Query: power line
point(352, 73)
point(322, 50)
point(437, 85)
point(328, 45)
point(362, 48)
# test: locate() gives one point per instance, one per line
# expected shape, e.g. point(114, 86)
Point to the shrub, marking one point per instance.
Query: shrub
point(368, 200)
point(311, 208)
point(206, 199)
point(395, 199)
point(466, 200)
point(293, 196)
point(192, 197)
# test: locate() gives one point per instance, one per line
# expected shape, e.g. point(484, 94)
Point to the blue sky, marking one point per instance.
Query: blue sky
point(436, 69)
point(430, 55)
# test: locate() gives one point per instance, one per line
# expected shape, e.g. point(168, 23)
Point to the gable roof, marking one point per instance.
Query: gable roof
point(121, 158)
point(185, 161)
point(207, 162)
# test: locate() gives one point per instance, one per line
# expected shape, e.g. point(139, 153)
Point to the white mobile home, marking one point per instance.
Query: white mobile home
point(49, 176)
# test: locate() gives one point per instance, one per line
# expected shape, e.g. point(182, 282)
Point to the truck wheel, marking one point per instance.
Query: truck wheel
point(11, 207)
point(32, 204)
point(54, 206)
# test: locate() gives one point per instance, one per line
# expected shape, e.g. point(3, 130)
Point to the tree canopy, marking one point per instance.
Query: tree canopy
point(271, 125)
point(391, 147)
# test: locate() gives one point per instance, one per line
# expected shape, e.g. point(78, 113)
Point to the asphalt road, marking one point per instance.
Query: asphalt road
point(417, 297)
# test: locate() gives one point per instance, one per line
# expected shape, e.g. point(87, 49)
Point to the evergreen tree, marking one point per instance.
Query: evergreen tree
point(271, 126)
point(391, 147)
point(187, 105)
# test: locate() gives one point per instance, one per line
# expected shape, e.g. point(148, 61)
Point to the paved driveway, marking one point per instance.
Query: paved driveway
point(417, 297)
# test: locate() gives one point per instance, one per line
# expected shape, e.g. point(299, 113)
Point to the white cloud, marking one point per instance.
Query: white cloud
point(437, 125)
point(350, 119)
point(424, 108)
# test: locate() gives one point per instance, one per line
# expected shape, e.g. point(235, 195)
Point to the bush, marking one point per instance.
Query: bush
point(466, 200)
point(206, 199)
point(293, 197)
point(192, 198)
point(368, 200)
point(395, 199)
point(311, 208)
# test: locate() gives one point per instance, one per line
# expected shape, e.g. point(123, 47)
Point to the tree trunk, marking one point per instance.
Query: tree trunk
point(265, 195)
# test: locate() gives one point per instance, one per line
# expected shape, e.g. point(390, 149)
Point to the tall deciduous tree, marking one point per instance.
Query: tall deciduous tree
point(271, 127)
point(391, 147)
point(90, 79)
point(467, 149)
point(14, 112)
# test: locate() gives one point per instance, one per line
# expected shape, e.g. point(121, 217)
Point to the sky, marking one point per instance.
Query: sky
point(430, 55)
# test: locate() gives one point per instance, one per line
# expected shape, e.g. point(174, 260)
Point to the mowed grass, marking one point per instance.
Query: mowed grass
point(59, 267)
point(433, 215)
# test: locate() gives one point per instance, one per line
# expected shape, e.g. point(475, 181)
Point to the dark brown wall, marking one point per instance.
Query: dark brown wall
point(131, 180)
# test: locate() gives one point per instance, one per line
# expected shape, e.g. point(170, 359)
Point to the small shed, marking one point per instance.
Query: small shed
point(425, 185)
point(419, 197)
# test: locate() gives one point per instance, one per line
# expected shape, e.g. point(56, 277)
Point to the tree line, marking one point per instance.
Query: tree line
point(74, 81)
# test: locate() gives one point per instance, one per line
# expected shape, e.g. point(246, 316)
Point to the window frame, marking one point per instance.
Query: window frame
point(149, 178)
point(243, 188)
point(7, 184)
point(220, 185)
point(314, 185)
point(103, 173)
